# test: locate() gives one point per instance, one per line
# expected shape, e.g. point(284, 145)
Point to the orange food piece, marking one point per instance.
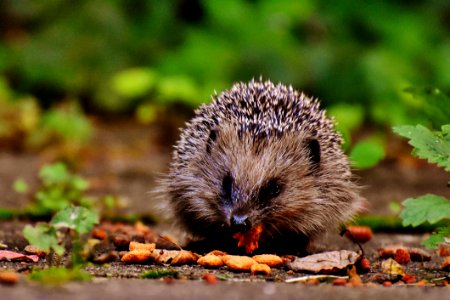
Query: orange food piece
point(364, 265)
point(444, 250)
point(260, 269)
point(446, 264)
point(387, 283)
point(249, 239)
point(210, 278)
point(269, 259)
point(339, 282)
point(360, 234)
point(217, 253)
point(137, 256)
point(402, 256)
point(136, 245)
point(210, 261)
point(407, 278)
point(238, 263)
point(9, 277)
point(99, 233)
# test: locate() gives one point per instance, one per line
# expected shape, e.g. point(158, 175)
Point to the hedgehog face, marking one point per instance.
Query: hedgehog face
point(269, 180)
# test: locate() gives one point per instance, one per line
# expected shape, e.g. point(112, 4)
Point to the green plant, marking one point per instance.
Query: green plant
point(48, 237)
point(59, 188)
point(435, 147)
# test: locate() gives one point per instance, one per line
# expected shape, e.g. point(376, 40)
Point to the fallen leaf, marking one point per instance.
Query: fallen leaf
point(174, 257)
point(444, 250)
point(30, 249)
point(269, 259)
point(327, 262)
point(391, 267)
point(249, 239)
point(389, 251)
point(15, 256)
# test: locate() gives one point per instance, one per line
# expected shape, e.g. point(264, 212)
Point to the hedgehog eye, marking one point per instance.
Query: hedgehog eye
point(271, 190)
point(314, 152)
point(211, 139)
point(227, 185)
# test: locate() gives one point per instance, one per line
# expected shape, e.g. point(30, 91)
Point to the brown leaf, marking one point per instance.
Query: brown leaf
point(327, 262)
point(174, 257)
point(15, 256)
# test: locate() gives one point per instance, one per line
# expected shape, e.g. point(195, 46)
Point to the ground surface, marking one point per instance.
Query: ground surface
point(125, 159)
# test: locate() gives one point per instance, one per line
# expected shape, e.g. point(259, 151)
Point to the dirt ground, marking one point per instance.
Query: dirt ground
point(125, 159)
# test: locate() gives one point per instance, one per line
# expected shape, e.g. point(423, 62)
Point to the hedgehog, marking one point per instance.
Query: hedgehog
point(260, 154)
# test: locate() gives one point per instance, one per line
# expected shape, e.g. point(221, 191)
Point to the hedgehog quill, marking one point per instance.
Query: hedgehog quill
point(262, 156)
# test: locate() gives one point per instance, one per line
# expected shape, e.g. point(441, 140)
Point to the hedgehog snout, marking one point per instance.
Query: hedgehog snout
point(240, 223)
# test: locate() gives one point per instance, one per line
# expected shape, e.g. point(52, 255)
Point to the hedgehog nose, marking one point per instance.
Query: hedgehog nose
point(240, 223)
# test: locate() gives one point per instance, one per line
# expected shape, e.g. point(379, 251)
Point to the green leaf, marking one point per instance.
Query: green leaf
point(135, 82)
point(427, 208)
point(44, 237)
point(77, 218)
point(20, 186)
point(54, 173)
point(59, 275)
point(433, 146)
point(437, 238)
point(366, 154)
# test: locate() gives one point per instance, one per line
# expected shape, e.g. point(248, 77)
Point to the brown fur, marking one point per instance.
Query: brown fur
point(314, 198)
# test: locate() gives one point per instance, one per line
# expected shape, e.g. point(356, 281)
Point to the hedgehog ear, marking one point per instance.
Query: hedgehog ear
point(313, 147)
point(211, 139)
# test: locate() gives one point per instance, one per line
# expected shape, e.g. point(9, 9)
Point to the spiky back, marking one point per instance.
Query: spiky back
point(263, 109)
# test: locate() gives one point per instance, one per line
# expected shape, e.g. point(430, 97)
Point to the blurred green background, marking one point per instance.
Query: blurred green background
point(373, 64)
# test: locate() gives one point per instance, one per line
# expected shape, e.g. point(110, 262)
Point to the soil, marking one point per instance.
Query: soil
point(126, 159)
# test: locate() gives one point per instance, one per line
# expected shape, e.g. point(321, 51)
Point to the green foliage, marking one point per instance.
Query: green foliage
point(59, 189)
point(342, 52)
point(154, 274)
point(433, 146)
point(427, 208)
point(20, 186)
point(58, 275)
point(366, 154)
point(47, 237)
point(80, 219)
point(44, 237)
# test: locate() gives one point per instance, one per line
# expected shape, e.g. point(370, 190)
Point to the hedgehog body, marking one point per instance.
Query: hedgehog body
point(264, 154)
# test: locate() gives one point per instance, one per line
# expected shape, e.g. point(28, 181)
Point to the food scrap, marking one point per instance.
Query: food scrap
point(359, 234)
point(249, 239)
point(260, 269)
point(269, 259)
point(210, 261)
point(238, 263)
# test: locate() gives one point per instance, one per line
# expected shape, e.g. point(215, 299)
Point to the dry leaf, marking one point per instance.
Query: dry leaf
point(391, 267)
point(327, 262)
point(217, 253)
point(268, 259)
point(418, 254)
point(210, 261)
point(402, 256)
point(354, 278)
point(15, 256)
point(184, 258)
point(174, 257)
point(446, 264)
point(249, 239)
